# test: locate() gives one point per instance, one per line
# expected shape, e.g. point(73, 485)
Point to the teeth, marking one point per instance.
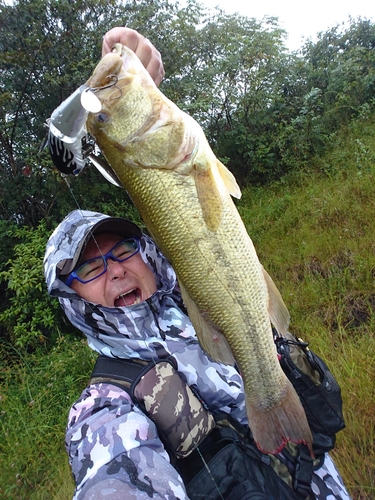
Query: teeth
point(137, 300)
point(122, 295)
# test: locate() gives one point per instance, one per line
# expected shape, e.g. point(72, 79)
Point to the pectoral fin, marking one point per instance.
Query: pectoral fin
point(211, 193)
point(277, 310)
point(229, 180)
point(210, 338)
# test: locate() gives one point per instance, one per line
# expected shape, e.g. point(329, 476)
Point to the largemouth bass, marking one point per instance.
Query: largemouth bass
point(183, 193)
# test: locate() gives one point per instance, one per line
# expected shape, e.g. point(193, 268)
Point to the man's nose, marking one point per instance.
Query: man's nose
point(115, 269)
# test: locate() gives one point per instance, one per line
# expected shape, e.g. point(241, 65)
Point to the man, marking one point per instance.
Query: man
point(119, 290)
point(116, 287)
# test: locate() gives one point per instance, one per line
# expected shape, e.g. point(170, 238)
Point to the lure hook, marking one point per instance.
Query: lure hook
point(109, 85)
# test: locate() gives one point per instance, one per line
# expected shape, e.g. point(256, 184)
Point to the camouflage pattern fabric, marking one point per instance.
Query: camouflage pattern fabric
point(174, 408)
point(114, 448)
point(327, 482)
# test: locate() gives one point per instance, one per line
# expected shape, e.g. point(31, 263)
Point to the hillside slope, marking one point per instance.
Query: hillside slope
point(314, 233)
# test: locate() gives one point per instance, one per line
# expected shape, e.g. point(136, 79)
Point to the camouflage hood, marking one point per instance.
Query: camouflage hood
point(153, 328)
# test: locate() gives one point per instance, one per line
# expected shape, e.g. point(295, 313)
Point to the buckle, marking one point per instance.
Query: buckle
point(303, 472)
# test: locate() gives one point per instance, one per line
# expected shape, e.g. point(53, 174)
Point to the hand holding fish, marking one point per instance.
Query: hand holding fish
point(149, 56)
point(68, 142)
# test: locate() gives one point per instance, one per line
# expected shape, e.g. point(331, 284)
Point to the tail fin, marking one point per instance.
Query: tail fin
point(273, 427)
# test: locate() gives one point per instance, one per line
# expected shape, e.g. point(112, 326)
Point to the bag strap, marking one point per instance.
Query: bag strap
point(303, 472)
point(121, 372)
point(298, 460)
point(163, 395)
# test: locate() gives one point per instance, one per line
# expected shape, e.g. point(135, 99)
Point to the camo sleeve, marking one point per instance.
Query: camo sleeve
point(114, 450)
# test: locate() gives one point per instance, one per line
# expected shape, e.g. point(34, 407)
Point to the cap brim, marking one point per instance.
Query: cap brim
point(115, 225)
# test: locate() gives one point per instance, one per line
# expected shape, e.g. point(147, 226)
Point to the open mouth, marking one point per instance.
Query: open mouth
point(129, 298)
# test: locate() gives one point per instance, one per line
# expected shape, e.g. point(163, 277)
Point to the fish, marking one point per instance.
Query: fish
point(184, 195)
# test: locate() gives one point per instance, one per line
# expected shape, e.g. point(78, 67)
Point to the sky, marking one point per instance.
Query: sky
point(300, 19)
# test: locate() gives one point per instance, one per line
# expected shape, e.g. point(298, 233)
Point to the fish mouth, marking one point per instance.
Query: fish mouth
point(129, 298)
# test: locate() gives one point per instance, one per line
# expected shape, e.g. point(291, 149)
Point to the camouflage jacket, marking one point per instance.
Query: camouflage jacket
point(114, 449)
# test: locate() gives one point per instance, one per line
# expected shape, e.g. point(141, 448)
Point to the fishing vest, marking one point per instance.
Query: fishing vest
point(215, 455)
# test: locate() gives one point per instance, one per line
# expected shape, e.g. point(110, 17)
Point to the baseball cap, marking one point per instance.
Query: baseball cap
point(115, 225)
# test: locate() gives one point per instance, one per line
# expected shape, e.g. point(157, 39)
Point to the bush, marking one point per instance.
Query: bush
point(30, 317)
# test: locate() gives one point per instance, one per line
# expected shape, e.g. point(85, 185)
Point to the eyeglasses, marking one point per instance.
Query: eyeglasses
point(93, 268)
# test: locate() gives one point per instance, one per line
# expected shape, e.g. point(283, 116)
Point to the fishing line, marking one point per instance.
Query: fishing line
point(92, 235)
point(131, 314)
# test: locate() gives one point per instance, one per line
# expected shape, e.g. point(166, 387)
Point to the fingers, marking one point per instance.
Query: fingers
point(150, 58)
point(125, 36)
point(143, 48)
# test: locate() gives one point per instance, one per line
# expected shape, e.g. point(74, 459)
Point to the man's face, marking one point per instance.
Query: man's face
point(124, 283)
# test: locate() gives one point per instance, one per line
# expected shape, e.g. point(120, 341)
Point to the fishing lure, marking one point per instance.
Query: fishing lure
point(69, 143)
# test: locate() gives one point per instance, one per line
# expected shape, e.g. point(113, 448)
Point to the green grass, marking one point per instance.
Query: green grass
point(314, 233)
point(36, 394)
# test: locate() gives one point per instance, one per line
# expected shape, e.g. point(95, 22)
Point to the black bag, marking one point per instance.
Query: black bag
point(227, 464)
point(317, 389)
point(234, 469)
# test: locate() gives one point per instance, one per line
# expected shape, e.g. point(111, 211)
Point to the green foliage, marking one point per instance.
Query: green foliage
point(30, 317)
point(267, 111)
point(37, 40)
point(48, 48)
point(341, 64)
point(36, 394)
point(314, 234)
point(6, 251)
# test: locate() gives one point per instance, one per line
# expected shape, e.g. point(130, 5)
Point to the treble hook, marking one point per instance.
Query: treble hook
point(112, 84)
point(96, 89)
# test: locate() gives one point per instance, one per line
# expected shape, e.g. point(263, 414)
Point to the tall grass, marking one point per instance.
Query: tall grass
point(36, 393)
point(314, 234)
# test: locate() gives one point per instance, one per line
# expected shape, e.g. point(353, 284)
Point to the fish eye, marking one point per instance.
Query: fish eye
point(102, 117)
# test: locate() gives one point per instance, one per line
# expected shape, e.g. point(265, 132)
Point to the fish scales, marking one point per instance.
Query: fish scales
point(162, 158)
point(200, 257)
